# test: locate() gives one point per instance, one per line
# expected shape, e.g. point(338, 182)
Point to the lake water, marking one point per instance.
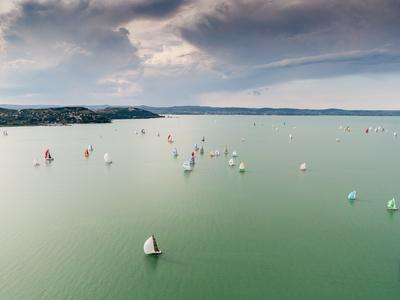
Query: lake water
point(74, 229)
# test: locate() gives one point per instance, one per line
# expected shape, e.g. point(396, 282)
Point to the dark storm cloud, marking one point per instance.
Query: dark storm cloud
point(74, 44)
point(262, 32)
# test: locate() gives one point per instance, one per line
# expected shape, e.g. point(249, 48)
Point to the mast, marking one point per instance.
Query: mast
point(155, 244)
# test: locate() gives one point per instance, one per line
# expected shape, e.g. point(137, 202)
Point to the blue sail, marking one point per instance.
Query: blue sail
point(352, 195)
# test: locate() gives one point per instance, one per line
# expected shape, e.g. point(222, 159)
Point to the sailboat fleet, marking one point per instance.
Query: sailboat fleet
point(150, 246)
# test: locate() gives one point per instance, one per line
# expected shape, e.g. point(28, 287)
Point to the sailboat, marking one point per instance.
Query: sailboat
point(391, 205)
point(303, 167)
point(195, 147)
point(174, 152)
point(231, 162)
point(395, 134)
point(150, 246)
point(86, 152)
point(212, 154)
point(203, 139)
point(47, 155)
point(216, 152)
point(192, 159)
point(5, 133)
point(352, 195)
point(290, 137)
point(226, 150)
point(337, 140)
point(242, 167)
point(202, 150)
point(187, 166)
point(234, 154)
point(36, 163)
point(90, 148)
point(107, 159)
point(170, 139)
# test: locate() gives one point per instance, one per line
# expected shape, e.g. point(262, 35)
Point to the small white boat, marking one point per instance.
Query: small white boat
point(90, 148)
point(303, 167)
point(234, 154)
point(391, 205)
point(290, 137)
point(216, 152)
point(187, 166)
point(242, 167)
point(212, 154)
point(243, 139)
point(174, 152)
point(36, 163)
point(395, 134)
point(352, 195)
point(231, 162)
point(107, 159)
point(150, 246)
point(337, 140)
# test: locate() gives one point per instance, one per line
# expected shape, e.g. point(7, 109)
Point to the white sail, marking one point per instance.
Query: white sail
point(216, 152)
point(150, 246)
point(231, 162)
point(395, 134)
point(391, 205)
point(303, 167)
point(234, 154)
point(290, 137)
point(187, 166)
point(175, 152)
point(107, 159)
point(90, 148)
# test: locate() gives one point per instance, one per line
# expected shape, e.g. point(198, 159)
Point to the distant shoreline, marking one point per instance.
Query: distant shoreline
point(210, 110)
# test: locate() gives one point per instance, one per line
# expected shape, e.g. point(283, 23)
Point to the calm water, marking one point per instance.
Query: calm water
point(75, 229)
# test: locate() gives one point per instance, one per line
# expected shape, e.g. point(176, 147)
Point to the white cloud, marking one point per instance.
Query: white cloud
point(70, 49)
point(121, 84)
point(17, 64)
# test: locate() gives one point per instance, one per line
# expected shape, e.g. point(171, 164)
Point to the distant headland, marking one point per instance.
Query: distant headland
point(69, 115)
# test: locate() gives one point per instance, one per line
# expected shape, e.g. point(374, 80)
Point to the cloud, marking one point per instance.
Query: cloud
point(171, 51)
point(257, 31)
point(74, 44)
point(371, 56)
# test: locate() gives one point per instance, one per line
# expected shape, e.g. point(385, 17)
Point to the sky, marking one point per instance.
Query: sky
point(248, 53)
